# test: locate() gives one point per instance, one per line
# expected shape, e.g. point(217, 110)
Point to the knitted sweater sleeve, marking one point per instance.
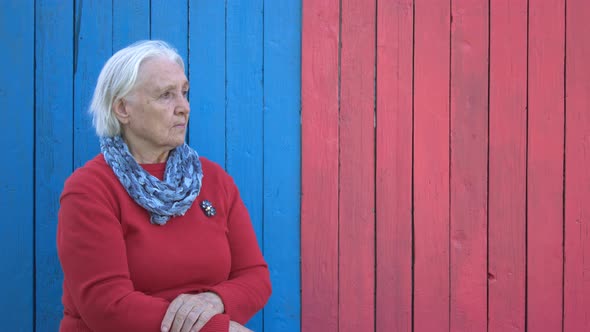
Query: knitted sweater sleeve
point(92, 253)
point(248, 287)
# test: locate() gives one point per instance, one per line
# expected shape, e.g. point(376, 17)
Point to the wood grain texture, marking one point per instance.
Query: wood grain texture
point(319, 173)
point(17, 86)
point(545, 165)
point(507, 166)
point(357, 167)
point(469, 162)
point(169, 22)
point(52, 133)
point(394, 166)
point(282, 161)
point(431, 165)
point(53, 149)
point(131, 22)
point(577, 164)
point(206, 74)
point(92, 49)
point(244, 154)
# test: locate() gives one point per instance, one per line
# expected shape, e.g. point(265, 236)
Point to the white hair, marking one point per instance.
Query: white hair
point(118, 77)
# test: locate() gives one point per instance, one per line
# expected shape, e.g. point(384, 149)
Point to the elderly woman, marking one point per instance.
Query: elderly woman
point(152, 237)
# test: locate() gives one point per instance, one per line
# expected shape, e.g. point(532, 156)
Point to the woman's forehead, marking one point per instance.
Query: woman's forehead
point(161, 72)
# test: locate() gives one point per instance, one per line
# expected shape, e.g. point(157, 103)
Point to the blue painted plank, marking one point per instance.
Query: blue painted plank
point(53, 148)
point(92, 48)
point(131, 22)
point(244, 113)
point(282, 161)
point(170, 23)
point(17, 22)
point(207, 79)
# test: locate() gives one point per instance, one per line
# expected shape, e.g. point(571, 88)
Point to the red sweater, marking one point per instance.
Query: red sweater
point(121, 272)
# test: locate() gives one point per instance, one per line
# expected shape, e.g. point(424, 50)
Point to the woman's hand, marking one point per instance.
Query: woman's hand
point(237, 327)
point(190, 312)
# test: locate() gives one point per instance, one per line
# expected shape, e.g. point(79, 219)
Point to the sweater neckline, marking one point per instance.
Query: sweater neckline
point(156, 170)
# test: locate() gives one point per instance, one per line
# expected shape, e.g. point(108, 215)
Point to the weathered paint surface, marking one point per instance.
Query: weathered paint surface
point(243, 61)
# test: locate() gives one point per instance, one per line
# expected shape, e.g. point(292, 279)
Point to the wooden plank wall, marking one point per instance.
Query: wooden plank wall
point(320, 94)
point(507, 166)
point(393, 162)
point(17, 231)
point(576, 274)
point(444, 151)
point(54, 148)
point(545, 165)
point(243, 61)
point(464, 206)
point(430, 176)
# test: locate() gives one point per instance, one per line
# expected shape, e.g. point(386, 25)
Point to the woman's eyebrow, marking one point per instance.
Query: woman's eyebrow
point(170, 86)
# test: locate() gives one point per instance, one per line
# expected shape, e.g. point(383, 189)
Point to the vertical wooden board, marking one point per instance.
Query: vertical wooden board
point(17, 30)
point(244, 155)
point(394, 166)
point(507, 166)
point(469, 162)
point(53, 148)
point(282, 161)
point(207, 79)
point(577, 163)
point(545, 165)
point(169, 22)
point(431, 165)
point(319, 170)
point(357, 167)
point(131, 22)
point(92, 49)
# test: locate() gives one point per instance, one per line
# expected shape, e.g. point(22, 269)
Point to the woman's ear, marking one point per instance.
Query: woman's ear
point(121, 112)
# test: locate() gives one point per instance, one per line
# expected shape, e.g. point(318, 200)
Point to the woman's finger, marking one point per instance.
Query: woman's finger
point(191, 312)
point(171, 313)
point(203, 319)
point(181, 315)
point(192, 317)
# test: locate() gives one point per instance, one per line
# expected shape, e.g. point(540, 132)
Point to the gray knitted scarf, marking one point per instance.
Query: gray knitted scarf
point(162, 199)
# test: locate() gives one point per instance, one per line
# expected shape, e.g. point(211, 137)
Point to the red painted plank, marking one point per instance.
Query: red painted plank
point(319, 182)
point(577, 174)
point(357, 167)
point(431, 165)
point(394, 166)
point(507, 179)
point(545, 165)
point(469, 162)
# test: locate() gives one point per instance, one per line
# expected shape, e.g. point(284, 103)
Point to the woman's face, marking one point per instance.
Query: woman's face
point(155, 113)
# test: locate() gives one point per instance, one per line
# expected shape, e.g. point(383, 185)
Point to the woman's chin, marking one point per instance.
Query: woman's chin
point(177, 139)
point(178, 142)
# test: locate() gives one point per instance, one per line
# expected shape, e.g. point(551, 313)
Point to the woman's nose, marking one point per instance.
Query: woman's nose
point(183, 105)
